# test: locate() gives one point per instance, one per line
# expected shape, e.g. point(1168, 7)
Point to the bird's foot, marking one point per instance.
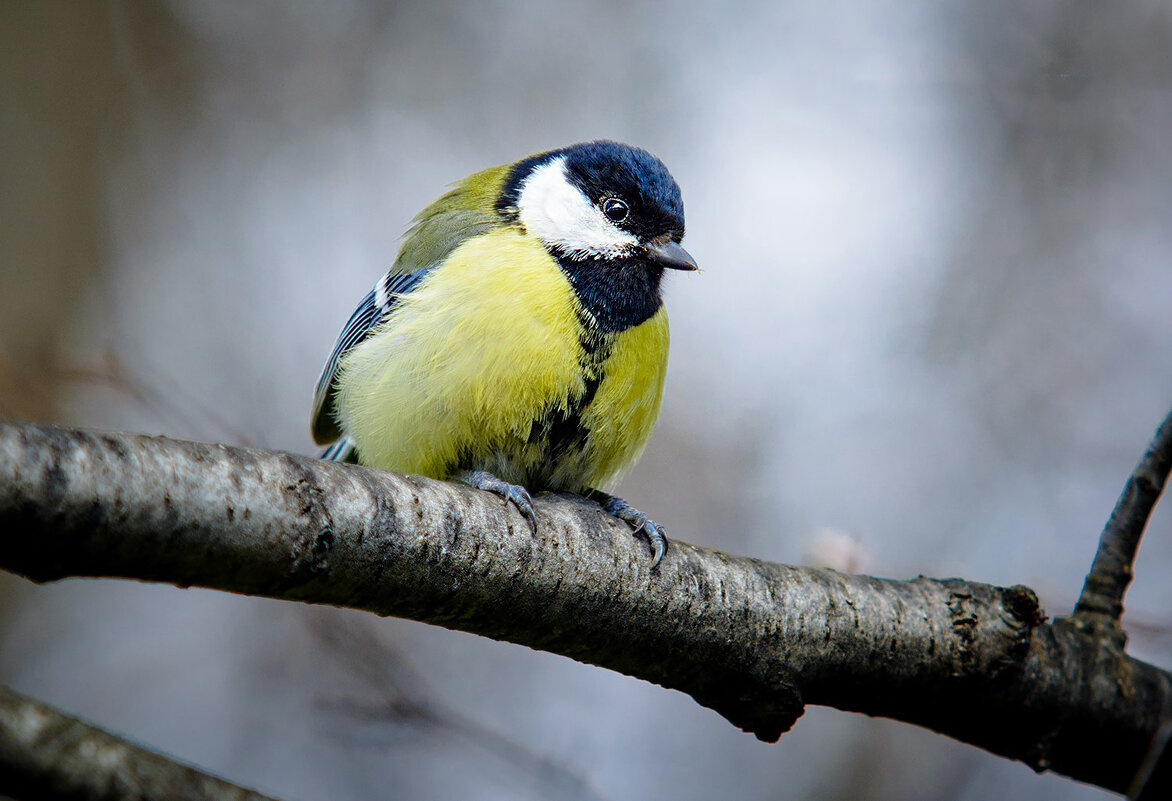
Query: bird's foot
point(511, 493)
point(643, 525)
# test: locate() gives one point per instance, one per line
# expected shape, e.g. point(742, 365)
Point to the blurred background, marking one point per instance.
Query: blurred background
point(933, 334)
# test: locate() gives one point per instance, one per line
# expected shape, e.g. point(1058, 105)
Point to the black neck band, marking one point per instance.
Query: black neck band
point(618, 293)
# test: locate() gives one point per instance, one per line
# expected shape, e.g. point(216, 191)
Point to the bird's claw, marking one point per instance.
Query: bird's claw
point(642, 525)
point(519, 497)
point(656, 539)
point(509, 493)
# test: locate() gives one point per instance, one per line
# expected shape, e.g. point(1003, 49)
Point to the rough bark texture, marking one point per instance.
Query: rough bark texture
point(45, 754)
point(752, 640)
point(1100, 605)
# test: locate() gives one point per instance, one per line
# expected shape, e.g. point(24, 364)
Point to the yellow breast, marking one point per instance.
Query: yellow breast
point(486, 347)
point(627, 403)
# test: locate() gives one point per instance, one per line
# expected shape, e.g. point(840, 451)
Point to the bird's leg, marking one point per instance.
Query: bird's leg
point(643, 525)
point(511, 493)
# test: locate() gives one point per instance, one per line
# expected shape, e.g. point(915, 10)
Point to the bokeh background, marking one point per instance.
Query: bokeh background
point(932, 335)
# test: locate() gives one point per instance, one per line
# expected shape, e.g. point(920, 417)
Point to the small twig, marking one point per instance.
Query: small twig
point(47, 754)
point(1101, 604)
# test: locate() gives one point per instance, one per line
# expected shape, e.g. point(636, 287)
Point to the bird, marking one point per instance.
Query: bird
point(519, 342)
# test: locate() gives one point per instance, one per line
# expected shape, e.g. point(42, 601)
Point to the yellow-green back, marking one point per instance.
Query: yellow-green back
point(467, 210)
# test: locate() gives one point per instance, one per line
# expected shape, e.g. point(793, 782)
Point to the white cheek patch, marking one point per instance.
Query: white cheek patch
point(560, 215)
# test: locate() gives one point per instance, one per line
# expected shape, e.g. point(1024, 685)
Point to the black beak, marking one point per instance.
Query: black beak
point(670, 254)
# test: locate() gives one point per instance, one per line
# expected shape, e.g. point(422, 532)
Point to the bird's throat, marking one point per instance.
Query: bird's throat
point(616, 293)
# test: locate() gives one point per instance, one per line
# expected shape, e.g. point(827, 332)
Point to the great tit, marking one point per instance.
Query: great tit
point(519, 342)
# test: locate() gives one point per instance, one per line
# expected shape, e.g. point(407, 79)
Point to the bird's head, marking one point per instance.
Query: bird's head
point(599, 201)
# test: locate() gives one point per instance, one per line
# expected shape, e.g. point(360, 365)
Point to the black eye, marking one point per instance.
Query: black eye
point(615, 210)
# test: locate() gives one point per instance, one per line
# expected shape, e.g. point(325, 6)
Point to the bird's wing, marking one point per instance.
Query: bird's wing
point(466, 211)
point(374, 310)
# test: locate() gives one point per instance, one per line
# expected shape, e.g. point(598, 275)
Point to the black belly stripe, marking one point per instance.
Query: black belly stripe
point(615, 294)
point(561, 428)
point(559, 431)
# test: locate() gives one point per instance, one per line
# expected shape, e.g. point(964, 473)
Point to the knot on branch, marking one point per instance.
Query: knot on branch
point(1025, 615)
point(766, 713)
point(311, 554)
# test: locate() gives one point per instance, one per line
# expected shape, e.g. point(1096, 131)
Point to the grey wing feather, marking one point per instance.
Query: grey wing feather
point(374, 310)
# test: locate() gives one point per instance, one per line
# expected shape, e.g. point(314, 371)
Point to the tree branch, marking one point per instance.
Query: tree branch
point(1100, 606)
point(1153, 781)
point(752, 640)
point(47, 754)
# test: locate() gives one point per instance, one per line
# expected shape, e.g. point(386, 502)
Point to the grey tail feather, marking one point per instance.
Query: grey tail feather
point(341, 451)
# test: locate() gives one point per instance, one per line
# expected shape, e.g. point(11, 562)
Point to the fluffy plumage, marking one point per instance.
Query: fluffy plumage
point(521, 333)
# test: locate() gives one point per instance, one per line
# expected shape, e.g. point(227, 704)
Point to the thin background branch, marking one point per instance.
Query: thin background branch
point(403, 697)
point(1101, 604)
point(47, 754)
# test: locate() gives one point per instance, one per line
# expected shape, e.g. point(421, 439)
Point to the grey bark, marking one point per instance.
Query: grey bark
point(752, 640)
point(1100, 606)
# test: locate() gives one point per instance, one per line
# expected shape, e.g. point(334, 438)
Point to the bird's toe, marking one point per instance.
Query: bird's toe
point(510, 493)
point(643, 526)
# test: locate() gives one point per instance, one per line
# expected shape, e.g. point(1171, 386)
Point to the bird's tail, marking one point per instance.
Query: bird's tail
point(341, 451)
